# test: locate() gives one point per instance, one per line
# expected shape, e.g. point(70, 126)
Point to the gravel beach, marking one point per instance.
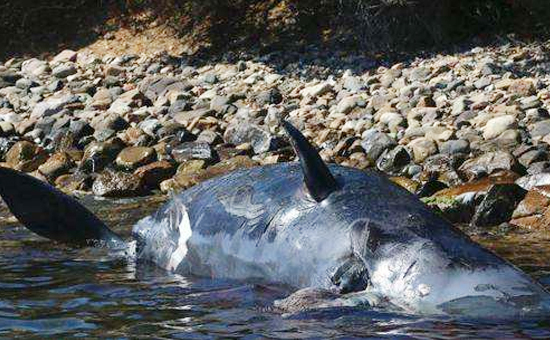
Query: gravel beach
point(469, 133)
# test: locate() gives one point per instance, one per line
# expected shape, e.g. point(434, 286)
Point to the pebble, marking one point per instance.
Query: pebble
point(432, 120)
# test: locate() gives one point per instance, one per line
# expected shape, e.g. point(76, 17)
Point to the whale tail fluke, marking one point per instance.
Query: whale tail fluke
point(52, 214)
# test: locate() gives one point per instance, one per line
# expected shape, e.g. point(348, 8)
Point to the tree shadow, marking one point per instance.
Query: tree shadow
point(39, 28)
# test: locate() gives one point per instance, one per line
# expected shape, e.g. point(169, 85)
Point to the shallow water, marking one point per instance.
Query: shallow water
point(49, 290)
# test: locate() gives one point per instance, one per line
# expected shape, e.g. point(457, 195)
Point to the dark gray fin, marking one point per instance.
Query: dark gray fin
point(317, 177)
point(52, 214)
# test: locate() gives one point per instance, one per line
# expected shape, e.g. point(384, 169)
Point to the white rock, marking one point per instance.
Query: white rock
point(498, 125)
point(316, 90)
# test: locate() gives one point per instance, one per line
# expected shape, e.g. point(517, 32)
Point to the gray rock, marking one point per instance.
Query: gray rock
point(64, 70)
point(540, 129)
point(239, 132)
point(271, 96)
point(155, 86)
point(452, 147)
point(393, 161)
point(97, 155)
point(529, 102)
point(375, 143)
point(194, 150)
point(52, 105)
point(532, 156)
point(489, 163)
point(118, 184)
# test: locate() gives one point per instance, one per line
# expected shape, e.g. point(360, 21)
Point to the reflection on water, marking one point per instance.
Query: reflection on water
point(50, 290)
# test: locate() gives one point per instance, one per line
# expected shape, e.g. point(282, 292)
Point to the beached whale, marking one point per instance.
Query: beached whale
point(307, 225)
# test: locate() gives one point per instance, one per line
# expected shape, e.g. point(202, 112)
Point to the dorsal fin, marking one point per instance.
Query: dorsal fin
point(317, 177)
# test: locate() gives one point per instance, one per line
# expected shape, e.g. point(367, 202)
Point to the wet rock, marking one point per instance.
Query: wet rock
point(191, 167)
point(489, 163)
point(58, 164)
point(245, 132)
point(175, 132)
point(78, 181)
point(118, 184)
point(135, 156)
point(99, 154)
point(194, 150)
point(458, 209)
point(25, 156)
point(407, 183)
point(151, 175)
point(498, 205)
point(430, 188)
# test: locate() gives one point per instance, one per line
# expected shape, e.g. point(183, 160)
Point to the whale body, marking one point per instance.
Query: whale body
point(306, 225)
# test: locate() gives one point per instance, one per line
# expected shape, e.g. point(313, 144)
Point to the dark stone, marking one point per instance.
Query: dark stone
point(175, 133)
point(99, 154)
point(431, 187)
point(393, 161)
point(194, 150)
point(498, 205)
point(178, 106)
point(80, 128)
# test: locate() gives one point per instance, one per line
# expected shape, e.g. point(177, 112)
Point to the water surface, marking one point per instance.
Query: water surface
point(50, 290)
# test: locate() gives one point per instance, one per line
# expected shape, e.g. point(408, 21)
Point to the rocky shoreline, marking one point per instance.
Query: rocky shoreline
point(469, 133)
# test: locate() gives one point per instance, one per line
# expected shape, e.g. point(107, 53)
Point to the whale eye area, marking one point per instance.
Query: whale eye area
point(351, 276)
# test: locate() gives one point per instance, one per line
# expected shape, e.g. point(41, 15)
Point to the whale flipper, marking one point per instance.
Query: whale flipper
point(52, 214)
point(317, 177)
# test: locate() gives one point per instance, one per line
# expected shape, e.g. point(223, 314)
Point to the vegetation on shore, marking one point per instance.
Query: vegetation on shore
point(28, 26)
